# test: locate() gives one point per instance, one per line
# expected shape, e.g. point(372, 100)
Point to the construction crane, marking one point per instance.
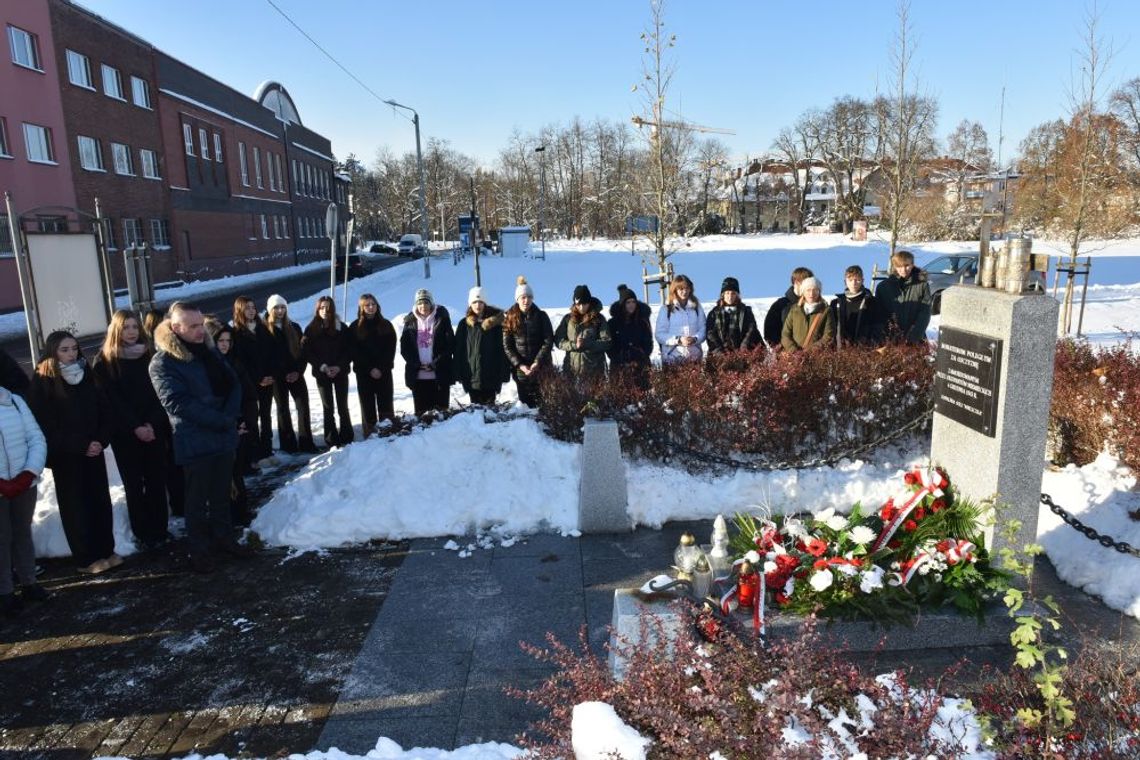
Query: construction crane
point(640, 122)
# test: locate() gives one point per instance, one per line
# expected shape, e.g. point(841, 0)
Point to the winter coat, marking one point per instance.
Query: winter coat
point(70, 416)
point(859, 318)
point(798, 323)
point(325, 347)
point(632, 337)
point(249, 396)
point(12, 375)
point(127, 386)
point(22, 443)
point(373, 344)
point(589, 361)
point(533, 341)
point(907, 304)
point(204, 422)
point(283, 360)
point(731, 328)
point(442, 346)
point(480, 362)
point(777, 315)
point(675, 323)
point(254, 351)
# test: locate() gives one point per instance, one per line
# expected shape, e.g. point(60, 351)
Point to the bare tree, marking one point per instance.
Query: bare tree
point(840, 137)
point(711, 157)
point(793, 146)
point(970, 145)
point(1124, 104)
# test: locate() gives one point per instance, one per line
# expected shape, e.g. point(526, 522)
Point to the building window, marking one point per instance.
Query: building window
point(132, 232)
point(264, 225)
point(160, 233)
point(280, 177)
point(90, 154)
point(112, 83)
point(285, 227)
point(269, 168)
point(217, 147)
point(124, 163)
point(252, 227)
point(79, 70)
point(257, 165)
point(188, 139)
point(49, 223)
point(308, 179)
point(5, 236)
point(276, 226)
point(25, 48)
point(204, 143)
point(149, 160)
point(37, 141)
point(5, 147)
point(109, 234)
point(140, 92)
point(242, 163)
point(296, 181)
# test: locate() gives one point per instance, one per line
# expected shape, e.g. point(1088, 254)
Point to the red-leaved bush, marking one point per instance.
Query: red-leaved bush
point(1096, 402)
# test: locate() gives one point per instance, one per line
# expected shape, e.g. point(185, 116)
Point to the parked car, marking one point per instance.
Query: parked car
point(412, 245)
point(356, 267)
point(962, 268)
point(384, 248)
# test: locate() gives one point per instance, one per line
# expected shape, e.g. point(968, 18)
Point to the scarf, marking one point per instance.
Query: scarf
point(812, 308)
point(133, 351)
point(220, 381)
point(72, 374)
point(425, 336)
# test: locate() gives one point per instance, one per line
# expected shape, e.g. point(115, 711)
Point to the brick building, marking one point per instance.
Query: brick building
point(215, 182)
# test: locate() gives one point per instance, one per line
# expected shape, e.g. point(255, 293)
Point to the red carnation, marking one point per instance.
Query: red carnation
point(910, 478)
point(786, 562)
point(919, 513)
point(888, 513)
point(816, 547)
point(910, 526)
point(820, 564)
point(894, 543)
point(937, 506)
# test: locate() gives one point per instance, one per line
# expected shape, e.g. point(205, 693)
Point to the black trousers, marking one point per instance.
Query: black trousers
point(299, 390)
point(483, 397)
point(428, 395)
point(330, 391)
point(528, 387)
point(208, 483)
point(375, 396)
point(16, 548)
point(263, 435)
point(84, 506)
point(142, 468)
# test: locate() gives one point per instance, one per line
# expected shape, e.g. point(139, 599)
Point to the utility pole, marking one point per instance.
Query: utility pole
point(423, 193)
point(471, 234)
point(542, 198)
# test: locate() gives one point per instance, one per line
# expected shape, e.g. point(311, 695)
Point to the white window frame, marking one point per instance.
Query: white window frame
point(243, 164)
point(285, 226)
point(218, 147)
point(204, 143)
point(148, 159)
point(280, 176)
point(276, 227)
point(79, 70)
point(296, 179)
point(90, 154)
point(160, 234)
point(257, 166)
point(269, 166)
point(132, 232)
point(112, 83)
point(31, 139)
point(264, 228)
point(5, 144)
point(140, 92)
point(188, 139)
point(122, 159)
point(21, 41)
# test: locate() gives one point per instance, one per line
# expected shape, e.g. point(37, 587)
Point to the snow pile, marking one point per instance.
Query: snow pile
point(386, 749)
point(597, 733)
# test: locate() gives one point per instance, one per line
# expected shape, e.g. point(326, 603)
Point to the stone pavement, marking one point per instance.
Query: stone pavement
point(432, 669)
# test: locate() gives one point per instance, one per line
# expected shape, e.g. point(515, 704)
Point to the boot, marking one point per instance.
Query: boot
point(347, 434)
point(34, 593)
point(307, 446)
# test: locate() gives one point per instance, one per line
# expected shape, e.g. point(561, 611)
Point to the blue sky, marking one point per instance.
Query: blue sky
point(478, 71)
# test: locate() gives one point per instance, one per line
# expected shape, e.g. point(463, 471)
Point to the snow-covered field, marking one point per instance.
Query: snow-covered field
point(502, 476)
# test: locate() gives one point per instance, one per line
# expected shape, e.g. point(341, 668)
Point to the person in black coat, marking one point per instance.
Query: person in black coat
point(289, 378)
point(528, 339)
point(859, 317)
point(480, 364)
point(328, 350)
point(778, 312)
point(427, 342)
point(75, 418)
point(731, 325)
point(12, 374)
point(373, 354)
point(224, 340)
point(253, 350)
point(139, 427)
point(905, 298)
point(632, 336)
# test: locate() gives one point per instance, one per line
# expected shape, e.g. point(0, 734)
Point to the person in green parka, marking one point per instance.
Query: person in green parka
point(809, 324)
point(479, 362)
point(585, 337)
point(905, 296)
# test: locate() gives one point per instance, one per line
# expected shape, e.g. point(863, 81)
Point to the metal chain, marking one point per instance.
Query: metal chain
point(1089, 532)
point(762, 466)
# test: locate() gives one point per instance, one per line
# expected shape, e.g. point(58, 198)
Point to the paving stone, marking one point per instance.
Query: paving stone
point(358, 734)
point(426, 684)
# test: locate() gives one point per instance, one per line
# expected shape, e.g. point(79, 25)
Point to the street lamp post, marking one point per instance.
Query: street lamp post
point(542, 197)
point(423, 196)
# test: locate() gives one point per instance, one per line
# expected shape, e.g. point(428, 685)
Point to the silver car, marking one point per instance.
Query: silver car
point(961, 268)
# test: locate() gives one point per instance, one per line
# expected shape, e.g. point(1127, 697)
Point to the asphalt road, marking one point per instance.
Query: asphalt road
point(301, 285)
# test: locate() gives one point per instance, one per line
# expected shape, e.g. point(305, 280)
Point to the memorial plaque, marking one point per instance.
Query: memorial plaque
point(967, 373)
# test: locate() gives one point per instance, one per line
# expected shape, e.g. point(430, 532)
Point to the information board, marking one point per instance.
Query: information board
point(967, 372)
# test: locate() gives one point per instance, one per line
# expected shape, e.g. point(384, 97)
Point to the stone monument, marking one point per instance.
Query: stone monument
point(602, 492)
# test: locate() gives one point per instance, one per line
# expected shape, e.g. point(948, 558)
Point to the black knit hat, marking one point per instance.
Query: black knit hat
point(624, 294)
point(730, 283)
point(582, 294)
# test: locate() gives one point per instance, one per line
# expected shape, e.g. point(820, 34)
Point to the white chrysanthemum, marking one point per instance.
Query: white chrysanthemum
point(770, 567)
point(861, 534)
point(871, 580)
point(822, 580)
point(846, 569)
point(753, 557)
point(795, 528)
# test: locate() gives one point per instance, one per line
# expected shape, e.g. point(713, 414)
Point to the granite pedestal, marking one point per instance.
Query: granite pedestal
point(602, 492)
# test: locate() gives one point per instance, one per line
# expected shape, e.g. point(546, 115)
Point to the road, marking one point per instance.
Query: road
point(294, 288)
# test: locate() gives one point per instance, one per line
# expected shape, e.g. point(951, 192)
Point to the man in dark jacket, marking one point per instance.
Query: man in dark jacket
point(731, 325)
point(905, 297)
point(778, 313)
point(859, 317)
point(202, 396)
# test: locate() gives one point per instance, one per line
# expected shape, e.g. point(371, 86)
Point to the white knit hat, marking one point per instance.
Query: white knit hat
point(422, 295)
point(476, 293)
point(275, 300)
point(523, 289)
point(808, 283)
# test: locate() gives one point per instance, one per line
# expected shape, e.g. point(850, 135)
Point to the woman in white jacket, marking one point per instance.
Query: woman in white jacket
point(680, 327)
point(23, 452)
